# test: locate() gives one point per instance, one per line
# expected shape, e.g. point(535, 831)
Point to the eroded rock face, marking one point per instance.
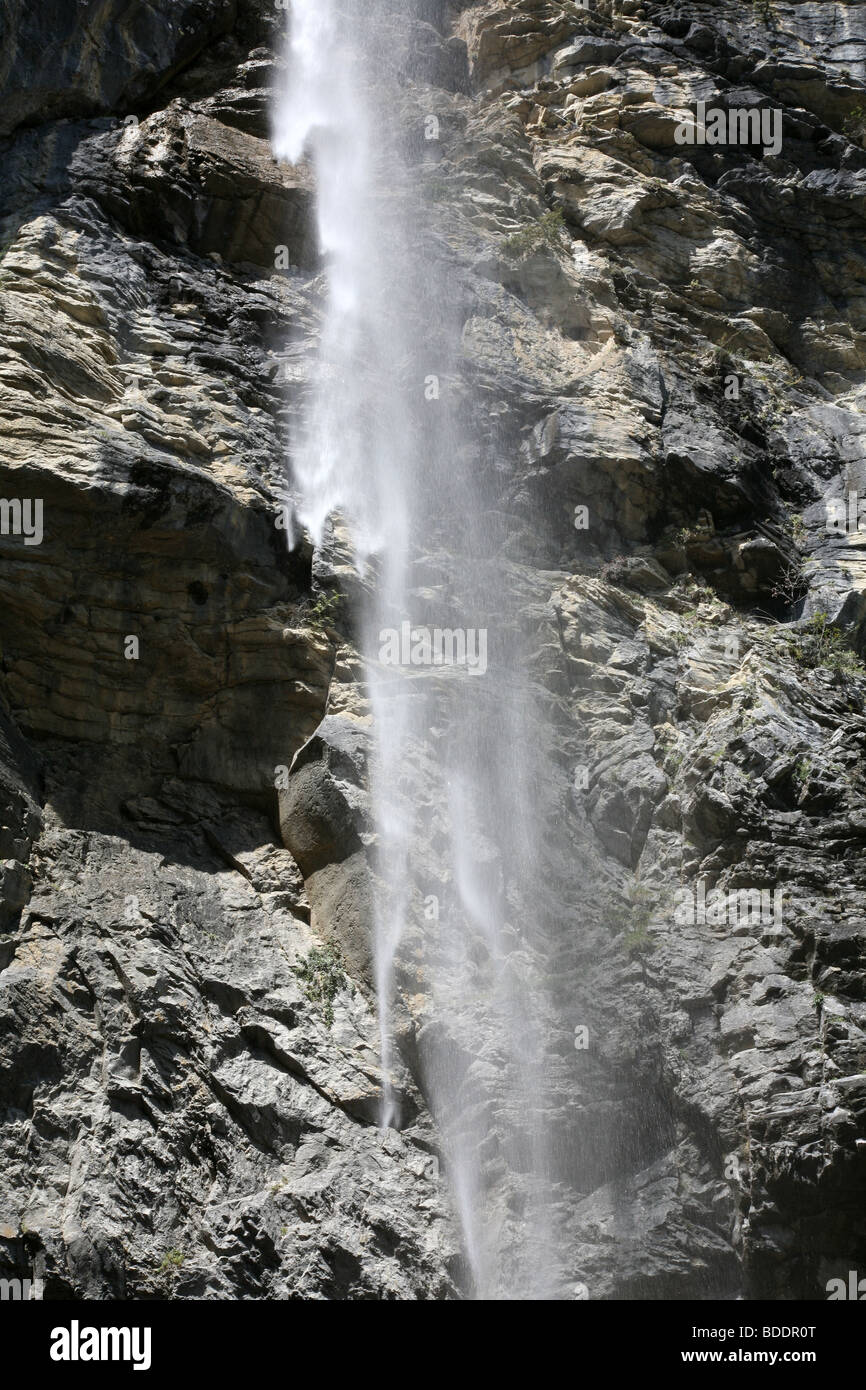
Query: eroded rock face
point(201, 1070)
point(668, 335)
point(93, 58)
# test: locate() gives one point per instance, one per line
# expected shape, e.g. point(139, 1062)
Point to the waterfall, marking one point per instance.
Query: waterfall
point(458, 772)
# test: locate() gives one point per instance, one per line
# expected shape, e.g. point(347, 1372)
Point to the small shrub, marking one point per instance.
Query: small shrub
point(549, 230)
point(686, 535)
point(820, 645)
point(615, 571)
point(792, 583)
point(322, 976)
point(323, 613)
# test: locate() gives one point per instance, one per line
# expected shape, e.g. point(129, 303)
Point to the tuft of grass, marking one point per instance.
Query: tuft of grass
point(638, 941)
point(167, 1272)
point(633, 915)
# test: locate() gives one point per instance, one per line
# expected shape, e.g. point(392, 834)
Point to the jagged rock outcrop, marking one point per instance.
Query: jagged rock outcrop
point(668, 335)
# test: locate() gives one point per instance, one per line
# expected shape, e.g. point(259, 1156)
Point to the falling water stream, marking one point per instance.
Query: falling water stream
point(457, 761)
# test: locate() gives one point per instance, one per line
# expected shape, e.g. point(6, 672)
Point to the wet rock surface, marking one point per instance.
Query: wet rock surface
point(670, 336)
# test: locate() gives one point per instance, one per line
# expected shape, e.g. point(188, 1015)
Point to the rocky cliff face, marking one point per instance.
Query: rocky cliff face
point(670, 335)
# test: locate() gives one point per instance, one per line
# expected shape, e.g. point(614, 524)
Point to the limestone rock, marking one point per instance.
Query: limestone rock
point(662, 357)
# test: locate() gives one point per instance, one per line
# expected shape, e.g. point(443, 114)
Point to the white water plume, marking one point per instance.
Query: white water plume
point(452, 776)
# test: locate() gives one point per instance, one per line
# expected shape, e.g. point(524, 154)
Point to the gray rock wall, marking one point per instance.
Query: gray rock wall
point(669, 335)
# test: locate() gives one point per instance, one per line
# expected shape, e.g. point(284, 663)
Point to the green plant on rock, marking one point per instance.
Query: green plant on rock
point(854, 126)
point(638, 941)
point(322, 976)
point(324, 612)
point(820, 645)
point(168, 1269)
point(171, 1264)
point(549, 230)
point(686, 535)
point(633, 915)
